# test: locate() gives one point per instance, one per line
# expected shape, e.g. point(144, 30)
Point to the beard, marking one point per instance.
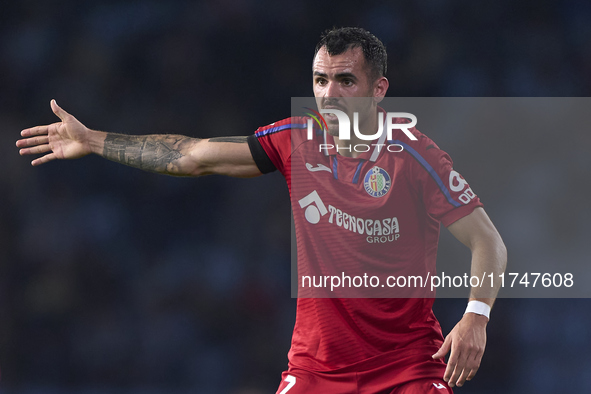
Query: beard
point(333, 125)
point(349, 105)
point(363, 121)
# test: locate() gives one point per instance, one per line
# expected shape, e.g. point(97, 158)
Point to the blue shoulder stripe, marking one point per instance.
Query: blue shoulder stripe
point(358, 171)
point(277, 129)
point(430, 170)
point(335, 167)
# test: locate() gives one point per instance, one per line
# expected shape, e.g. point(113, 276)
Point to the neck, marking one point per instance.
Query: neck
point(347, 147)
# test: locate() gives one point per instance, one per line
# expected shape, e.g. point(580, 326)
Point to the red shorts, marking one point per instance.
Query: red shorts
point(298, 381)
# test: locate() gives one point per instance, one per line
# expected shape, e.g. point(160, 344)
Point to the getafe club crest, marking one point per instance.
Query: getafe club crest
point(377, 182)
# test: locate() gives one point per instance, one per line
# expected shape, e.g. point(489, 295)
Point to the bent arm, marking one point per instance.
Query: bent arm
point(489, 254)
point(467, 340)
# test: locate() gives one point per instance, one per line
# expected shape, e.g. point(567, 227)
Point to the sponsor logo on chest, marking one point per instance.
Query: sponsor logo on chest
point(375, 230)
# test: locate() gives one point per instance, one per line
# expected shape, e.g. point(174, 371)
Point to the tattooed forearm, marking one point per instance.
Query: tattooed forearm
point(158, 153)
point(238, 140)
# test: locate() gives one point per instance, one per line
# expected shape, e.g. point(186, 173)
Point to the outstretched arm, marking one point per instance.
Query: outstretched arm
point(467, 340)
point(166, 154)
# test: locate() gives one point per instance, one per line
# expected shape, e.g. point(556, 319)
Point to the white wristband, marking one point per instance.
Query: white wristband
point(478, 307)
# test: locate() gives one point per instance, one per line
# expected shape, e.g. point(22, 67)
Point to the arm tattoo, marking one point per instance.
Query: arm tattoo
point(157, 153)
point(238, 140)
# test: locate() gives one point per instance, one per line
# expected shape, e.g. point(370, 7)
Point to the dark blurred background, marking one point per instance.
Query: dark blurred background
point(118, 281)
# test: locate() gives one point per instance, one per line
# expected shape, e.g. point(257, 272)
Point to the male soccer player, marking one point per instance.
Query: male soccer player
point(395, 201)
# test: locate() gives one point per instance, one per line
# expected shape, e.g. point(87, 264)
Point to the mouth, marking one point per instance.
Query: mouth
point(331, 117)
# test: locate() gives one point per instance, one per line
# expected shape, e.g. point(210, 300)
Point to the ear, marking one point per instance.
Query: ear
point(380, 89)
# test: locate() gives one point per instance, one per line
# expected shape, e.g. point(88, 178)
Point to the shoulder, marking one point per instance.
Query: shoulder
point(421, 147)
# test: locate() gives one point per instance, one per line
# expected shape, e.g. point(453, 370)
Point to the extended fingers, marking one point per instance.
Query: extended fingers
point(37, 130)
point(33, 141)
point(475, 364)
point(59, 111)
point(451, 363)
point(44, 159)
point(465, 369)
point(35, 150)
point(462, 378)
point(455, 367)
point(474, 369)
point(467, 373)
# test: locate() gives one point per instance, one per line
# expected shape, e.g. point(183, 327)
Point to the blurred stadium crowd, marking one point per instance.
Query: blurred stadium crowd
point(113, 280)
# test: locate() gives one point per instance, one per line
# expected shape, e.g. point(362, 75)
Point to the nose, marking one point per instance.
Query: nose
point(332, 89)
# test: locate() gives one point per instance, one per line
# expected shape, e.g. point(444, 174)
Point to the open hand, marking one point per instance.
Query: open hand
point(67, 139)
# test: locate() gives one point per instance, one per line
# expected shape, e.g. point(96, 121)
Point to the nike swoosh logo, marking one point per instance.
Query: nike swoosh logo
point(321, 167)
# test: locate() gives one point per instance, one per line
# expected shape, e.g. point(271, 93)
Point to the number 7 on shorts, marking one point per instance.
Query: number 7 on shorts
point(291, 380)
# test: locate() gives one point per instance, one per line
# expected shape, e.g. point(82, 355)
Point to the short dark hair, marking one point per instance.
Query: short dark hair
point(340, 40)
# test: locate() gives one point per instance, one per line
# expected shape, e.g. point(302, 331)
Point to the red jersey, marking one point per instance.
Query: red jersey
point(377, 213)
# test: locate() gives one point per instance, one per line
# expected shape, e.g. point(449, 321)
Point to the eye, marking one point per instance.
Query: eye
point(321, 81)
point(347, 82)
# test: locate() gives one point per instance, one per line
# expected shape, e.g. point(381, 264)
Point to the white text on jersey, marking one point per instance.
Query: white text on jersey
point(378, 231)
